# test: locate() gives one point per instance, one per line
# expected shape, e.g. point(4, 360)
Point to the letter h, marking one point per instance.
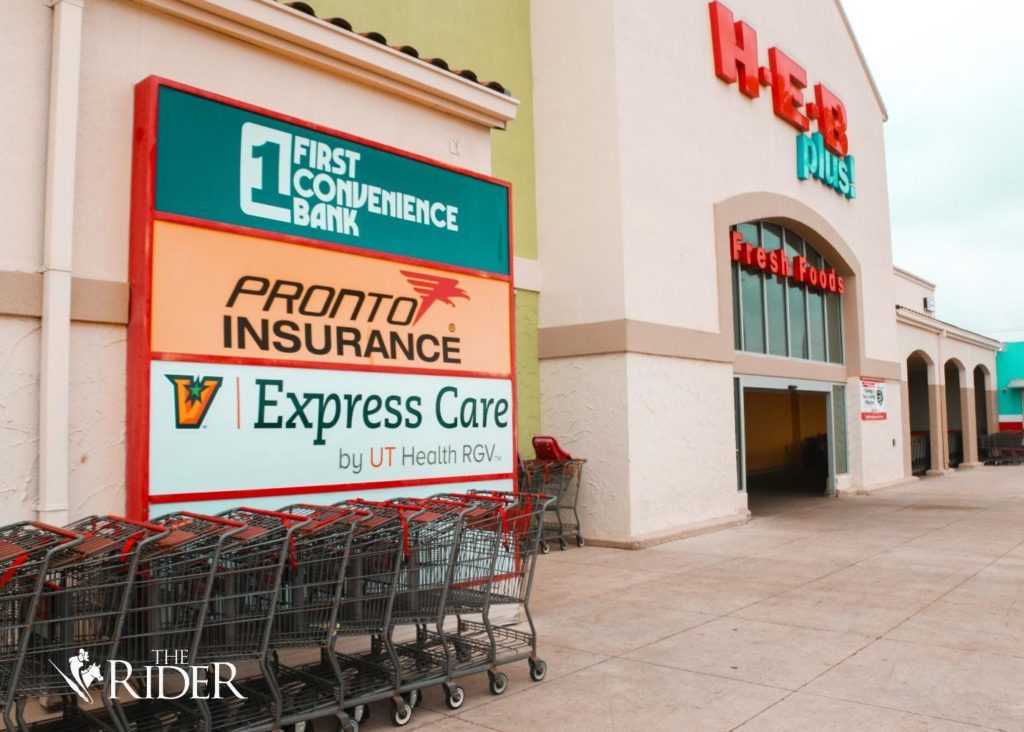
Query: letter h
point(735, 47)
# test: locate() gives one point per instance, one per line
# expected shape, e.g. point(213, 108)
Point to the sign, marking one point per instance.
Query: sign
point(777, 263)
point(312, 314)
point(872, 400)
point(823, 154)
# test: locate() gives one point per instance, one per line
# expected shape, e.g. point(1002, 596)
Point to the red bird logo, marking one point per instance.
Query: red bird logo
point(431, 289)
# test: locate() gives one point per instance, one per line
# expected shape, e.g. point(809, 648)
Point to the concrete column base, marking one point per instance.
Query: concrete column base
point(934, 472)
point(969, 465)
point(662, 537)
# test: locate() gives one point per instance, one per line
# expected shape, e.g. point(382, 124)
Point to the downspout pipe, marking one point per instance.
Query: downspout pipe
point(58, 232)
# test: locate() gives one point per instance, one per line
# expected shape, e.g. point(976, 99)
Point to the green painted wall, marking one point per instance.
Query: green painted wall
point(1009, 365)
point(491, 37)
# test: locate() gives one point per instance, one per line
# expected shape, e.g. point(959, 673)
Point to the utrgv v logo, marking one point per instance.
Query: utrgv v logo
point(81, 677)
point(193, 396)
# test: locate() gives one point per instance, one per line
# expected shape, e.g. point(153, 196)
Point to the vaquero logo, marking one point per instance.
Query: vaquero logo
point(193, 396)
point(170, 677)
point(314, 183)
point(81, 677)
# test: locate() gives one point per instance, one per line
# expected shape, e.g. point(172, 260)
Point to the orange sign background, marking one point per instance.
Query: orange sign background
point(195, 270)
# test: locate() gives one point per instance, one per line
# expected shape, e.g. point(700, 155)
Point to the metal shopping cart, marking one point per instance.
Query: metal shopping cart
point(558, 474)
point(26, 551)
point(165, 615)
point(304, 616)
point(80, 610)
point(511, 584)
point(240, 612)
point(403, 569)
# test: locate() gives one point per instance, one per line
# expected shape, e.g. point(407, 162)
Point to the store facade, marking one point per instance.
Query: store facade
point(704, 301)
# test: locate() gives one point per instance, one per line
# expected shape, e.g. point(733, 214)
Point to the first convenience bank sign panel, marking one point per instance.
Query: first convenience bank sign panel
point(311, 313)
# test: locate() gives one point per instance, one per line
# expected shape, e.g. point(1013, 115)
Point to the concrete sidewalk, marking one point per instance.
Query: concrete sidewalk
point(903, 610)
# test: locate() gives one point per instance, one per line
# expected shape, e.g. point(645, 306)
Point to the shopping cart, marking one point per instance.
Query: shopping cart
point(80, 610)
point(511, 584)
point(165, 614)
point(26, 552)
point(240, 613)
point(304, 616)
point(558, 474)
point(397, 579)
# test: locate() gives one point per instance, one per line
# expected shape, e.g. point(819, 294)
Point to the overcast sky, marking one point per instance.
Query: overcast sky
point(952, 78)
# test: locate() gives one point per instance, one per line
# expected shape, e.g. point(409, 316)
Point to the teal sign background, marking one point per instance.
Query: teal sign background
point(199, 158)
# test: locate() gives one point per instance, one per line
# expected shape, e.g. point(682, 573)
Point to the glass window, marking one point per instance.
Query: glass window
point(816, 312)
point(839, 428)
point(775, 294)
point(834, 324)
point(775, 314)
point(797, 302)
point(752, 296)
point(736, 308)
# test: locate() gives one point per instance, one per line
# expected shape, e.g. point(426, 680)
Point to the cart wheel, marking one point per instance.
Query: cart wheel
point(538, 670)
point(349, 725)
point(563, 544)
point(579, 542)
point(359, 714)
point(413, 698)
point(400, 714)
point(544, 548)
point(499, 682)
point(454, 697)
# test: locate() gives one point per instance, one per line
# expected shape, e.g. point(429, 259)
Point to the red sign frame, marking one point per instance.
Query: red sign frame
point(140, 261)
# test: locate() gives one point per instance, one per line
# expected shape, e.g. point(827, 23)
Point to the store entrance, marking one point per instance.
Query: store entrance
point(786, 446)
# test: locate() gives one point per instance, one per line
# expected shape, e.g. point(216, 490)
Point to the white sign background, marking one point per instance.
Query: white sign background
point(228, 453)
point(873, 403)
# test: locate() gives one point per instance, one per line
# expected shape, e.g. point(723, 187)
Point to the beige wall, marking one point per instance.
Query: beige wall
point(123, 42)
point(642, 167)
point(910, 290)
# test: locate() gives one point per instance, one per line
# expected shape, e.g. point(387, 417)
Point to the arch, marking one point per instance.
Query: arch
point(955, 412)
point(957, 364)
point(825, 239)
point(982, 385)
point(919, 433)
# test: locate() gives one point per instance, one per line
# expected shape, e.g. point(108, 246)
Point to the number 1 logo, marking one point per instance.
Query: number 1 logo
point(265, 173)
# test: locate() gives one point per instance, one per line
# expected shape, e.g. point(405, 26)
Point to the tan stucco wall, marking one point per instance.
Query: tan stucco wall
point(910, 291)
point(642, 167)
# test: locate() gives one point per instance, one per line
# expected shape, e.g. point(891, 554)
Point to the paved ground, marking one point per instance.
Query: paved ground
point(898, 611)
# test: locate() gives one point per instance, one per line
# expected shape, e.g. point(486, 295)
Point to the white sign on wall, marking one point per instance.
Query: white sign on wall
point(873, 404)
point(219, 428)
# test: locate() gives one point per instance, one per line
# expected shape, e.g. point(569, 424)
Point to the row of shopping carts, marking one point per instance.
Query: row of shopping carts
point(1002, 448)
point(317, 611)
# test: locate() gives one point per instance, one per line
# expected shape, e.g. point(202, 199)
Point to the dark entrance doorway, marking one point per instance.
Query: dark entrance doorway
point(920, 414)
point(786, 448)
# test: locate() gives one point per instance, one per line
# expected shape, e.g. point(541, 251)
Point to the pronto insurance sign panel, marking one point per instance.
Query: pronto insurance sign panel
point(311, 313)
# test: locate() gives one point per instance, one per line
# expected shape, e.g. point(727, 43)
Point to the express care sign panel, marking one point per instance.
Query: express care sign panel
point(311, 314)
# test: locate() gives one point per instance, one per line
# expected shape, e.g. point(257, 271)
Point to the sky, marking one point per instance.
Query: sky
point(952, 78)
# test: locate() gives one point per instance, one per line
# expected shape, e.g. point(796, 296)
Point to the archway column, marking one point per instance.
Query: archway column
point(908, 450)
point(937, 423)
point(969, 423)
